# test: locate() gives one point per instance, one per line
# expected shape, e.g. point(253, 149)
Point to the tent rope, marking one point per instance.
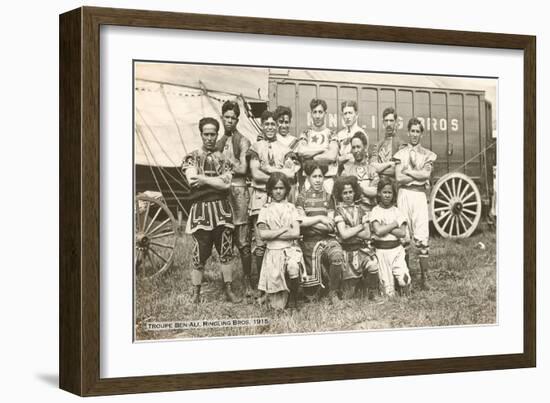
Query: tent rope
point(146, 146)
point(168, 106)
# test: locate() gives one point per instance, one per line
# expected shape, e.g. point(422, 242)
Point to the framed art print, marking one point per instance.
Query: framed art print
point(249, 201)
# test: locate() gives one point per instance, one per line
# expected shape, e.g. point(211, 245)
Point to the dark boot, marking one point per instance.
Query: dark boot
point(247, 287)
point(229, 296)
point(424, 276)
point(196, 298)
point(196, 280)
point(293, 285)
point(246, 261)
point(405, 291)
point(372, 283)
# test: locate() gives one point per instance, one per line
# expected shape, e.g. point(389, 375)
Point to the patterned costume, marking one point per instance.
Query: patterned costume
point(210, 219)
point(359, 258)
point(282, 257)
point(366, 176)
point(239, 197)
point(322, 138)
point(385, 150)
point(389, 251)
point(323, 255)
point(411, 199)
point(289, 140)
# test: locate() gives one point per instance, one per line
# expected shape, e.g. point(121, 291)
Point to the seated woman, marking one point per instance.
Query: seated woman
point(360, 268)
point(279, 226)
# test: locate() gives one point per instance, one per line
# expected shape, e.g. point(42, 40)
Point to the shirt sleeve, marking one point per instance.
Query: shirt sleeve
point(253, 152)
point(188, 161)
point(226, 169)
point(375, 215)
point(296, 216)
point(300, 204)
point(262, 216)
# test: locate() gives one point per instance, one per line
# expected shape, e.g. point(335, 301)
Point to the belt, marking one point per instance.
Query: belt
point(378, 244)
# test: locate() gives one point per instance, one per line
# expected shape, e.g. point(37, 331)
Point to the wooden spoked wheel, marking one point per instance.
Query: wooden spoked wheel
point(455, 203)
point(155, 238)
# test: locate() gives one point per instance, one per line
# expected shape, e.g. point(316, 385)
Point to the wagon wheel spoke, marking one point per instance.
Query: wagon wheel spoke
point(153, 220)
point(470, 195)
point(448, 190)
point(469, 204)
point(461, 196)
point(444, 226)
point(445, 195)
point(469, 211)
point(446, 203)
point(457, 225)
point(453, 186)
point(146, 215)
point(453, 217)
point(139, 256)
point(442, 216)
point(438, 209)
point(465, 217)
point(162, 235)
point(136, 211)
point(161, 245)
point(162, 224)
point(158, 255)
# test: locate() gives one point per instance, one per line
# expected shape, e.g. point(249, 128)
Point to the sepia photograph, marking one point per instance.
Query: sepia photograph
point(272, 201)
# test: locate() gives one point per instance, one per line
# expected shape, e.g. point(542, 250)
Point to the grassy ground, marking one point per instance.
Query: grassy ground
point(463, 280)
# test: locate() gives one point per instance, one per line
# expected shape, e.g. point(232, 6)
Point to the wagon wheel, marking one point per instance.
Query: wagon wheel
point(155, 237)
point(455, 203)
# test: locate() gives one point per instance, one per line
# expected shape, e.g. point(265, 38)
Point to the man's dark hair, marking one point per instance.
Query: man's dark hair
point(209, 121)
point(341, 182)
point(274, 178)
point(389, 110)
point(353, 104)
point(311, 165)
point(415, 121)
point(282, 111)
point(266, 115)
point(315, 102)
point(361, 136)
point(385, 181)
point(231, 106)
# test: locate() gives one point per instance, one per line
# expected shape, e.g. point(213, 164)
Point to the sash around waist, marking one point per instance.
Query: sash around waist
point(379, 244)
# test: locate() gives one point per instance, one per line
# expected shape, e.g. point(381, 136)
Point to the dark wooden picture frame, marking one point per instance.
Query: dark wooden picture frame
point(79, 346)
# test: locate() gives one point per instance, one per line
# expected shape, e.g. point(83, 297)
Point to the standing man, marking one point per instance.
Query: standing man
point(366, 174)
point(350, 116)
point(234, 146)
point(319, 143)
point(283, 117)
point(382, 157)
point(267, 156)
point(210, 223)
point(413, 175)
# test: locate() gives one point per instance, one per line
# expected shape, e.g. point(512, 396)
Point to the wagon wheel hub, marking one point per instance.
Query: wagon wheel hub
point(457, 208)
point(142, 241)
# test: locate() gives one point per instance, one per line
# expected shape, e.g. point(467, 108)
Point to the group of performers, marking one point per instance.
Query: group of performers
point(312, 215)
